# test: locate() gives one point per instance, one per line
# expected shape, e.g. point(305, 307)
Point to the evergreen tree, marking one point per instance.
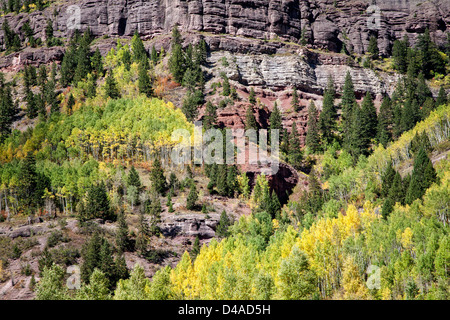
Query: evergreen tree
point(177, 63)
point(11, 39)
point(295, 103)
point(210, 118)
point(192, 197)
point(190, 104)
point(385, 122)
point(224, 224)
point(396, 192)
point(176, 36)
point(429, 56)
point(232, 185)
point(138, 49)
point(91, 256)
point(410, 115)
point(122, 236)
point(225, 85)
point(388, 207)
point(347, 103)
point(97, 205)
point(154, 57)
point(49, 33)
point(68, 64)
point(250, 120)
point(222, 186)
point(252, 96)
point(159, 183)
point(369, 117)
point(358, 141)
point(111, 89)
point(196, 247)
point(387, 180)
point(442, 97)
point(70, 103)
point(29, 34)
point(423, 176)
point(315, 198)
point(312, 135)
point(327, 118)
point(97, 64)
point(295, 155)
point(400, 54)
point(422, 90)
point(145, 86)
point(275, 119)
point(142, 239)
point(373, 47)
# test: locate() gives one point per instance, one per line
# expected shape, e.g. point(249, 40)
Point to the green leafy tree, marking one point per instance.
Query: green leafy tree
point(52, 286)
point(97, 289)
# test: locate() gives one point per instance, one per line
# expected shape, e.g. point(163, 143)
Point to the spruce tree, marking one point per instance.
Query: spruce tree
point(222, 186)
point(373, 48)
point(142, 238)
point(295, 155)
point(196, 247)
point(396, 192)
point(210, 119)
point(328, 116)
point(159, 183)
point(358, 140)
point(442, 97)
point(347, 104)
point(312, 135)
point(385, 122)
point(111, 88)
point(122, 235)
point(232, 180)
point(423, 176)
point(295, 102)
point(97, 205)
point(224, 224)
point(138, 49)
point(154, 57)
point(192, 197)
point(97, 64)
point(410, 115)
point(225, 86)
point(49, 33)
point(387, 180)
point(145, 86)
point(250, 120)
point(369, 117)
point(177, 63)
point(91, 256)
point(252, 96)
point(400, 54)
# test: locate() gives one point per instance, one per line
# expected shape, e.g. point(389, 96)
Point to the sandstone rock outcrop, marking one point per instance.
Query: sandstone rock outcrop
point(190, 225)
point(324, 23)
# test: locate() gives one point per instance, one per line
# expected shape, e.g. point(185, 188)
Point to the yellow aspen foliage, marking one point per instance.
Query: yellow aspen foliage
point(406, 239)
point(353, 286)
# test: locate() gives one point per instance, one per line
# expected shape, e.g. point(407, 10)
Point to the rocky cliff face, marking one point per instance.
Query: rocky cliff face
point(326, 24)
